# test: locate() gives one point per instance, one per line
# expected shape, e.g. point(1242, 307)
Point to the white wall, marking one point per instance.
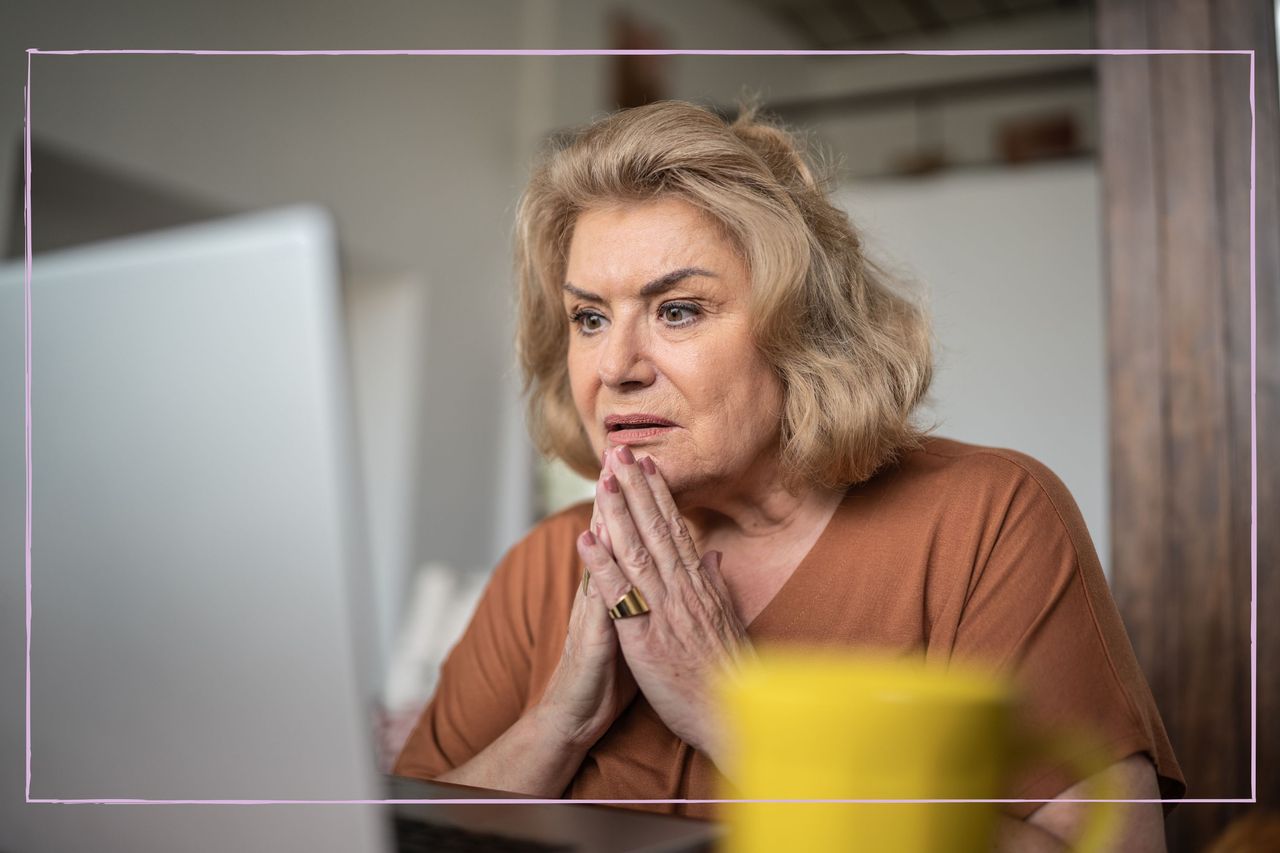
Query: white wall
point(1012, 261)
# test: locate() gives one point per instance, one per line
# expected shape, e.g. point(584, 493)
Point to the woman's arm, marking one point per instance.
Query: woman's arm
point(1140, 828)
point(1038, 607)
point(543, 749)
point(531, 757)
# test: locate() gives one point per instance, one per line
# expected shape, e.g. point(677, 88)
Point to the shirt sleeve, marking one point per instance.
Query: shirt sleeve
point(1039, 609)
point(484, 681)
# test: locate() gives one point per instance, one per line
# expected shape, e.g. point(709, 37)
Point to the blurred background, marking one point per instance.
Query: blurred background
point(997, 185)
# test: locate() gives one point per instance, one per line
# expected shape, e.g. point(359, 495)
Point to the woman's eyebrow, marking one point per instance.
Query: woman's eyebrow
point(659, 285)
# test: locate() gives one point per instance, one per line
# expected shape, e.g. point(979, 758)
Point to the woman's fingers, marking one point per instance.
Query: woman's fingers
point(585, 619)
point(710, 567)
point(608, 582)
point(601, 531)
point(630, 550)
point(680, 535)
point(647, 518)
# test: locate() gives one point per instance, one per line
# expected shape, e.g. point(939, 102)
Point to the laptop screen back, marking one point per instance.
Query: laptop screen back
point(194, 519)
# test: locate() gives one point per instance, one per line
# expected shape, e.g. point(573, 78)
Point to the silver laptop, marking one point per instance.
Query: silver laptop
point(199, 621)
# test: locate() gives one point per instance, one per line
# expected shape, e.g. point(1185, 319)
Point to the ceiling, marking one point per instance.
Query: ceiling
point(851, 24)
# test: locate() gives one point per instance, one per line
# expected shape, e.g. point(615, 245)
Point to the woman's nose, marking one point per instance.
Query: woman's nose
point(624, 358)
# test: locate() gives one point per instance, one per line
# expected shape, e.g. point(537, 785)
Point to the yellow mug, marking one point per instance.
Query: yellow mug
point(825, 725)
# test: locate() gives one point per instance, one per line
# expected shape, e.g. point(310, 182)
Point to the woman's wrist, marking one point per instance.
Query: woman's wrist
point(710, 741)
point(553, 726)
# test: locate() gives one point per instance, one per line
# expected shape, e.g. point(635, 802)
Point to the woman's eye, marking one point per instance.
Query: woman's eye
point(587, 321)
point(678, 315)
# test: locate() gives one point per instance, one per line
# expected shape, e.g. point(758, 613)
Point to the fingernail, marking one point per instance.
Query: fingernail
point(714, 558)
point(627, 457)
point(604, 457)
point(588, 538)
point(647, 464)
point(611, 484)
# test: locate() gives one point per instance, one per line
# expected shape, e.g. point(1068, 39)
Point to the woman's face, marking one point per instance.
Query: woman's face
point(659, 335)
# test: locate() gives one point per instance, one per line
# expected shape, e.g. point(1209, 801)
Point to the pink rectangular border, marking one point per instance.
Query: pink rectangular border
point(1253, 390)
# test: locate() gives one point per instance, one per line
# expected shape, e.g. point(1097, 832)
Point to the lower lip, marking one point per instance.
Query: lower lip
point(637, 436)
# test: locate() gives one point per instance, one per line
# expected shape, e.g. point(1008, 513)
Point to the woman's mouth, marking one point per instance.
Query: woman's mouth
point(634, 429)
point(637, 435)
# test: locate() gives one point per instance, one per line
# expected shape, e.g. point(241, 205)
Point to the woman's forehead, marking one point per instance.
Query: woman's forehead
point(634, 245)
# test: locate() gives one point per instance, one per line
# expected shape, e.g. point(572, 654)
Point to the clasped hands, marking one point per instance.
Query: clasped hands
point(675, 651)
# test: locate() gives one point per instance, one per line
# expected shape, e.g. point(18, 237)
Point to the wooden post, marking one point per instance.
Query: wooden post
point(1176, 163)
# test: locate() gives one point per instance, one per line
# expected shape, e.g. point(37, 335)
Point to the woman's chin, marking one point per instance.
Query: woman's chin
point(690, 489)
point(684, 478)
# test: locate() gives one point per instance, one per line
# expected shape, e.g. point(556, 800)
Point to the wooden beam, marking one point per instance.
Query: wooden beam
point(797, 109)
point(1175, 156)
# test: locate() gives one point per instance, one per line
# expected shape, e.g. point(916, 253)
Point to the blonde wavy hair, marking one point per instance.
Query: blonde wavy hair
point(852, 351)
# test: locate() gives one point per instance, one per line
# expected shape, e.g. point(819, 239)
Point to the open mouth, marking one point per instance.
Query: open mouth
point(627, 423)
point(640, 425)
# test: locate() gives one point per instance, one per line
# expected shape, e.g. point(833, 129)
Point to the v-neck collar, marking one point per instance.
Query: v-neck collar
point(818, 554)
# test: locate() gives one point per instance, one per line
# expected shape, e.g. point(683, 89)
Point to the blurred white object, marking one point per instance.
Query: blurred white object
point(559, 486)
point(386, 323)
point(440, 604)
point(436, 612)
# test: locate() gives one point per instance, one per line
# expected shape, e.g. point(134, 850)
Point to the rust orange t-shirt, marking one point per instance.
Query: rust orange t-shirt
point(954, 552)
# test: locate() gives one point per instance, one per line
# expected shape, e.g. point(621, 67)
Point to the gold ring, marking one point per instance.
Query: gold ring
point(631, 604)
point(586, 580)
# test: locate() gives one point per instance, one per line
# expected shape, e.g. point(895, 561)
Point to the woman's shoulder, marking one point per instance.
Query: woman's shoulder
point(571, 521)
point(959, 483)
point(952, 484)
point(552, 541)
point(544, 560)
point(974, 467)
point(973, 457)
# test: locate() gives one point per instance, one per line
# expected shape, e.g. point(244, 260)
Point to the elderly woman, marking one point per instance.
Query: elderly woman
point(701, 332)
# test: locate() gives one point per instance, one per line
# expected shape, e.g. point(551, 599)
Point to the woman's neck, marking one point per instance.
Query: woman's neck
point(756, 510)
point(763, 533)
